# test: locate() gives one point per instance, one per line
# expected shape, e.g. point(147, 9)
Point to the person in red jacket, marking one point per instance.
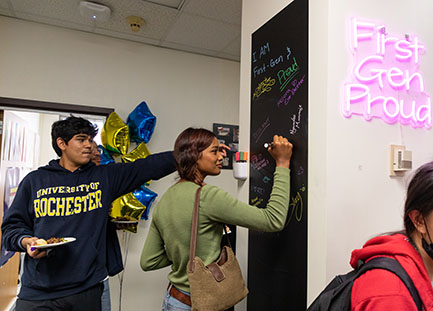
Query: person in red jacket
point(381, 290)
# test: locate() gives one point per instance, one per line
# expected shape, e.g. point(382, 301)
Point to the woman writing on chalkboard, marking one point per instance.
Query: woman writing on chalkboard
point(197, 154)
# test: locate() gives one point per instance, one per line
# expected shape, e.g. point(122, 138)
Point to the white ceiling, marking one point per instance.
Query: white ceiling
point(207, 27)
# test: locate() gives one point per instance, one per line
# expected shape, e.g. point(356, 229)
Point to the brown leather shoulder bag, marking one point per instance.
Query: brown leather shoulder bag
point(219, 285)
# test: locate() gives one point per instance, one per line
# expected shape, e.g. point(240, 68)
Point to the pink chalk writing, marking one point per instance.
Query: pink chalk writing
point(285, 99)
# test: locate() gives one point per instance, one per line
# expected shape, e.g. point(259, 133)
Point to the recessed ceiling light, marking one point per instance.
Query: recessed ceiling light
point(94, 11)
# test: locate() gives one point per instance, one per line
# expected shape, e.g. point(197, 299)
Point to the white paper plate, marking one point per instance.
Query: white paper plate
point(66, 241)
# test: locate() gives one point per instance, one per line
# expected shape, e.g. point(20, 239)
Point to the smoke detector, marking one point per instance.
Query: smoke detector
point(94, 11)
point(135, 23)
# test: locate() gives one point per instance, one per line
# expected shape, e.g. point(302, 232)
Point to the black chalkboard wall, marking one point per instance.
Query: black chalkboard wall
point(277, 262)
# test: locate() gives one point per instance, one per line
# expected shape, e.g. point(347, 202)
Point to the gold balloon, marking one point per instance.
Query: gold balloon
point(115, 134)
point(125, 208)
point(140, 152)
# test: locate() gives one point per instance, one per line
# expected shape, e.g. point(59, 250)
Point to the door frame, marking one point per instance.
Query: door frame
point(8, 102)
point(39, 106)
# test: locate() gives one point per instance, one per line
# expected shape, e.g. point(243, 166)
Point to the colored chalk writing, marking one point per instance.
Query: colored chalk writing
point(259, 132)
point(296, 206)
point(286, 75)
point(266, 179)
point(285, 99)
point(296, 121)
point(262, 64)
point(258, 162)
point(264, 86)
point(256, 201)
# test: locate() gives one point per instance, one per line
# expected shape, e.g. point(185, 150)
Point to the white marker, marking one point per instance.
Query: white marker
point(267, 145)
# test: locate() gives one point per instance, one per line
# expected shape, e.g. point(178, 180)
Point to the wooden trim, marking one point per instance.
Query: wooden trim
point(55, 107)
point(9, 279)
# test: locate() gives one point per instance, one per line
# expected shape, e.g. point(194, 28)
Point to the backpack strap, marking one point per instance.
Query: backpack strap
point(395, 267)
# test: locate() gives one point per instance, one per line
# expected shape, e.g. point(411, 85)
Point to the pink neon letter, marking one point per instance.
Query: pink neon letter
point(384, 41)
point(361, 36)
point(378, 76)
point(416, 48)
point(411, 115)
point(403, 52)
point(391, 116)
point(353, 98)
point(395, 72)
point(427, 114)
point(409, 80)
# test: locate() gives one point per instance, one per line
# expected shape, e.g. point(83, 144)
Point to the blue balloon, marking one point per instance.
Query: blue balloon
point(141, 123)
point(146, 197)
point(106, 157)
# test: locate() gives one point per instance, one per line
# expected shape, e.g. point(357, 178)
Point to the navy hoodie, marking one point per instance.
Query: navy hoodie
point(55, 202)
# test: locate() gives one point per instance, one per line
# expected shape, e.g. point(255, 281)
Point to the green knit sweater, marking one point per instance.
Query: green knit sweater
point(167, 242)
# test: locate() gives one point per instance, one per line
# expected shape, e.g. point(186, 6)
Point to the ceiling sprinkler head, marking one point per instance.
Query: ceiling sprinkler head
point(135, 23)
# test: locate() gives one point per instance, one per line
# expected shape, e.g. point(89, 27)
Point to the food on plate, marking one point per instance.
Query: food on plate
point(41, 242)
point(53, 240)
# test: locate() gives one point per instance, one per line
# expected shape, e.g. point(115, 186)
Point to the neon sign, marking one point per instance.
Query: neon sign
point(385, 80)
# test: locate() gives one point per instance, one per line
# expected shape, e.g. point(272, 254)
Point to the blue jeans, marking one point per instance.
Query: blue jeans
point(172, 304)
point(105, 298)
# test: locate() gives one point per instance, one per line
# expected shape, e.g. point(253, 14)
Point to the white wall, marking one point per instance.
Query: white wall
point(362, 200)
point(53, 64)
point(318, 189)
point(46, 151)
point(351, 196)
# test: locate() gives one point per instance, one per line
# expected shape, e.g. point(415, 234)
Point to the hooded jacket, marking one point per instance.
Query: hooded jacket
point(381, 290)
point(55, 202)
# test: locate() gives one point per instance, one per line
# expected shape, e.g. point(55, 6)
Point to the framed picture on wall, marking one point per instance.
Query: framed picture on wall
point(227, 134)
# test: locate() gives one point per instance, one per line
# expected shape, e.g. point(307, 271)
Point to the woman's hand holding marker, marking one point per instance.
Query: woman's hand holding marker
point(281, 150)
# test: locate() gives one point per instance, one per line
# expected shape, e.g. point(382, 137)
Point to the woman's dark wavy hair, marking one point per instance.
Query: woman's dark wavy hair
point(419, 195)
point(187, 150)
point(68, 128)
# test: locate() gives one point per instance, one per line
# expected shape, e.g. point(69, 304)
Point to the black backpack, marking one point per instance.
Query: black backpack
point(337, 295)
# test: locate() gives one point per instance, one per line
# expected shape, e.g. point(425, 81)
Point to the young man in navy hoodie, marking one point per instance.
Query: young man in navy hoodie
point(71, 197)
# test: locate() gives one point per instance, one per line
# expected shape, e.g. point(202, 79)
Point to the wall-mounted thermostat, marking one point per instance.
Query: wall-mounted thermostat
point(401, 160)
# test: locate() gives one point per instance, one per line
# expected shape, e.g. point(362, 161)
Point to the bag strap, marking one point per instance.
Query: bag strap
point(194, 228)
point(227, 236)
point(395, 267)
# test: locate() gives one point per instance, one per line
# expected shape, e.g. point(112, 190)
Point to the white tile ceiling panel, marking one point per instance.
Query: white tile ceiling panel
point(157, 18)
point(66, 10)
point(55, 22)
point(202, 26)
point(199, 32)
point(126, 36)
point(234, 47)
point(229, 11)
